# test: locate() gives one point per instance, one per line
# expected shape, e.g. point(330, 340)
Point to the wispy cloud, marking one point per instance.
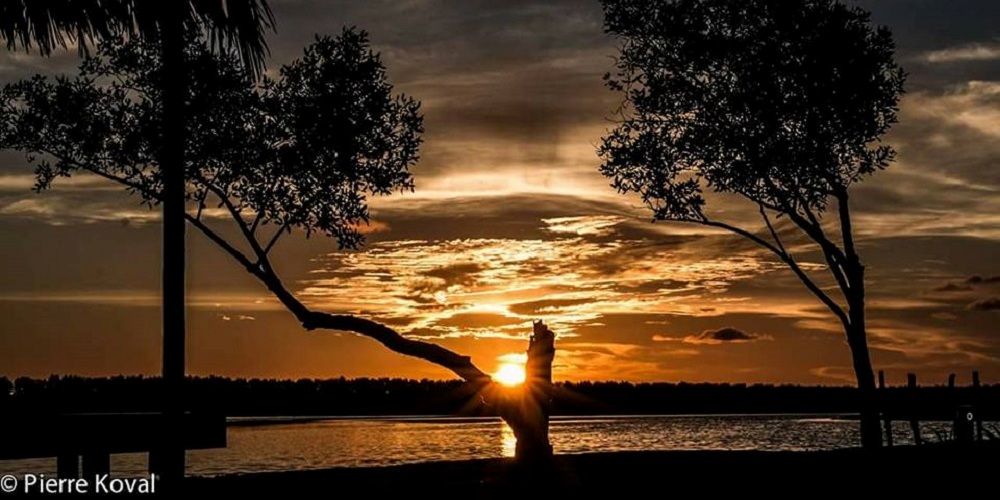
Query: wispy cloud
point(592, 225)
point(971, 52)
point(489, 287)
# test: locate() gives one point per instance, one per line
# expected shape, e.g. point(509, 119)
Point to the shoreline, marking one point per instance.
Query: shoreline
point(947, 464)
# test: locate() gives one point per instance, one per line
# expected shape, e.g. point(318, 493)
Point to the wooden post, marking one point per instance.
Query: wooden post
point(975, 405)
point(68, 466)
point(96, 463)
point(911, 383)
point(951, 381)
point(886, 419)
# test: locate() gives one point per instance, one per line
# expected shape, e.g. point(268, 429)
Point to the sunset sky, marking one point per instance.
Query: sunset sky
point(511, 221)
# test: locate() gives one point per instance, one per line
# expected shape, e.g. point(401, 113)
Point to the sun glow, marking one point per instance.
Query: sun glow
point(510, 374)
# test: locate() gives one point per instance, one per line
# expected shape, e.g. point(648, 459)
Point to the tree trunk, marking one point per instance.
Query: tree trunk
point(173, 80)
point(528, 413)
point(857, 339)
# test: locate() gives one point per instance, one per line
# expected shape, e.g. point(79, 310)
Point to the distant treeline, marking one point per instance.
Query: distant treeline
point(385, 396)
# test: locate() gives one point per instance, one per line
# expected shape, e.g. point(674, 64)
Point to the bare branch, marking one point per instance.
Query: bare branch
point(120, 180)
point(201, 203)
point(248, 235)
point(770, 227)
point(274, 239)
point(786, 258)
point(815, 231)
point(225, 245)
point(311, 320)
point(256, 222)
point(846, 229)
point(458, 364)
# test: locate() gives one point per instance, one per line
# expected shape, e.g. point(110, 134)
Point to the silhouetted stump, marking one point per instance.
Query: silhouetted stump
point(527, 408)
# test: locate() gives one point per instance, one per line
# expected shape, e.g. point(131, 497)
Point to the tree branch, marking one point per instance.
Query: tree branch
point(458, 364)
point(311, 320)
point(233, 211)
point(786, 258)
point(256, 222)
point(275, 237)
point(248, 234)
point(815, 231)
point(846, 229)
point(225, 245)
point(201, 203)
point(770, 227)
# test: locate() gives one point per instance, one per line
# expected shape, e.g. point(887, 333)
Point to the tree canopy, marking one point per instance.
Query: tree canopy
point(302, 151)
point(780, 102)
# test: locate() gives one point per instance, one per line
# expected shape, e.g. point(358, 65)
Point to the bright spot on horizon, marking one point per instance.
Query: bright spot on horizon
point(510, 374)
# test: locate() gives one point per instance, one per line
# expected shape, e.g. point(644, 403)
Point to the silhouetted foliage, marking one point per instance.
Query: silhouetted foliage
point(782, 103)
point(300, 151)
point(231, 25)
point(6, 388)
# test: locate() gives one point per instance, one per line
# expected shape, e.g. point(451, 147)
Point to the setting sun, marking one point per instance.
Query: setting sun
point(510, 374)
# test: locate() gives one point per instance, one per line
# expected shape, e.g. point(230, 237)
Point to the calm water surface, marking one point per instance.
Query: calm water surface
point(290, 444)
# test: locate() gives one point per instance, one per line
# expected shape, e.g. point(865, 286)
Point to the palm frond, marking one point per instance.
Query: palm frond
point(237, 25)
point(50, 24)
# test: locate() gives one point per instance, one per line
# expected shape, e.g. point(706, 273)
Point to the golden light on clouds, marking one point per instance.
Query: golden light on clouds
point(495, 287)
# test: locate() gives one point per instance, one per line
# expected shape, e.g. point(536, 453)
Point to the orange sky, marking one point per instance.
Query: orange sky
point(511, 222)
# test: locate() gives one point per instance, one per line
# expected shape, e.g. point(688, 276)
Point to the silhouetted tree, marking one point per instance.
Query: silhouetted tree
point(230, 24)
point(303, 151)
point(781, 102)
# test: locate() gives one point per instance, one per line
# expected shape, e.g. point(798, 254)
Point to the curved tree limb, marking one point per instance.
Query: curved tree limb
point(770, 227)
point(787, 259)
point(311, 320)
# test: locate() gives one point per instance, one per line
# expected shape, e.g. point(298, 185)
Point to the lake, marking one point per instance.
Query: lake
point(277, 444)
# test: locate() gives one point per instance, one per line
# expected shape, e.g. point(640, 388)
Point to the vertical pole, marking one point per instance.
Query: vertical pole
point(975, 405)
point(68, 466)
point(886, 419)
point(95, 463)
point(911, 383)
point(170, 462)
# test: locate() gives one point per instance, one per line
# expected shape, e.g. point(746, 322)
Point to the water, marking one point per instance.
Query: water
point(290, 445)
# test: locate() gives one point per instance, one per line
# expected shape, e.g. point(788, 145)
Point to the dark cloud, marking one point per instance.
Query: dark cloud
point(722, 335)
point(456, 274)
point(987, 304)
point(977, 280)
point(953, 287)
point(718, 336)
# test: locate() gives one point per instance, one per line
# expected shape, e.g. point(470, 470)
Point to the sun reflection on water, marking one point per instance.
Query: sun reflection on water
point(508, 442)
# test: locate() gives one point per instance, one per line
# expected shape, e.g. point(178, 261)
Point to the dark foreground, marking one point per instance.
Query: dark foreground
point(938, 469)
